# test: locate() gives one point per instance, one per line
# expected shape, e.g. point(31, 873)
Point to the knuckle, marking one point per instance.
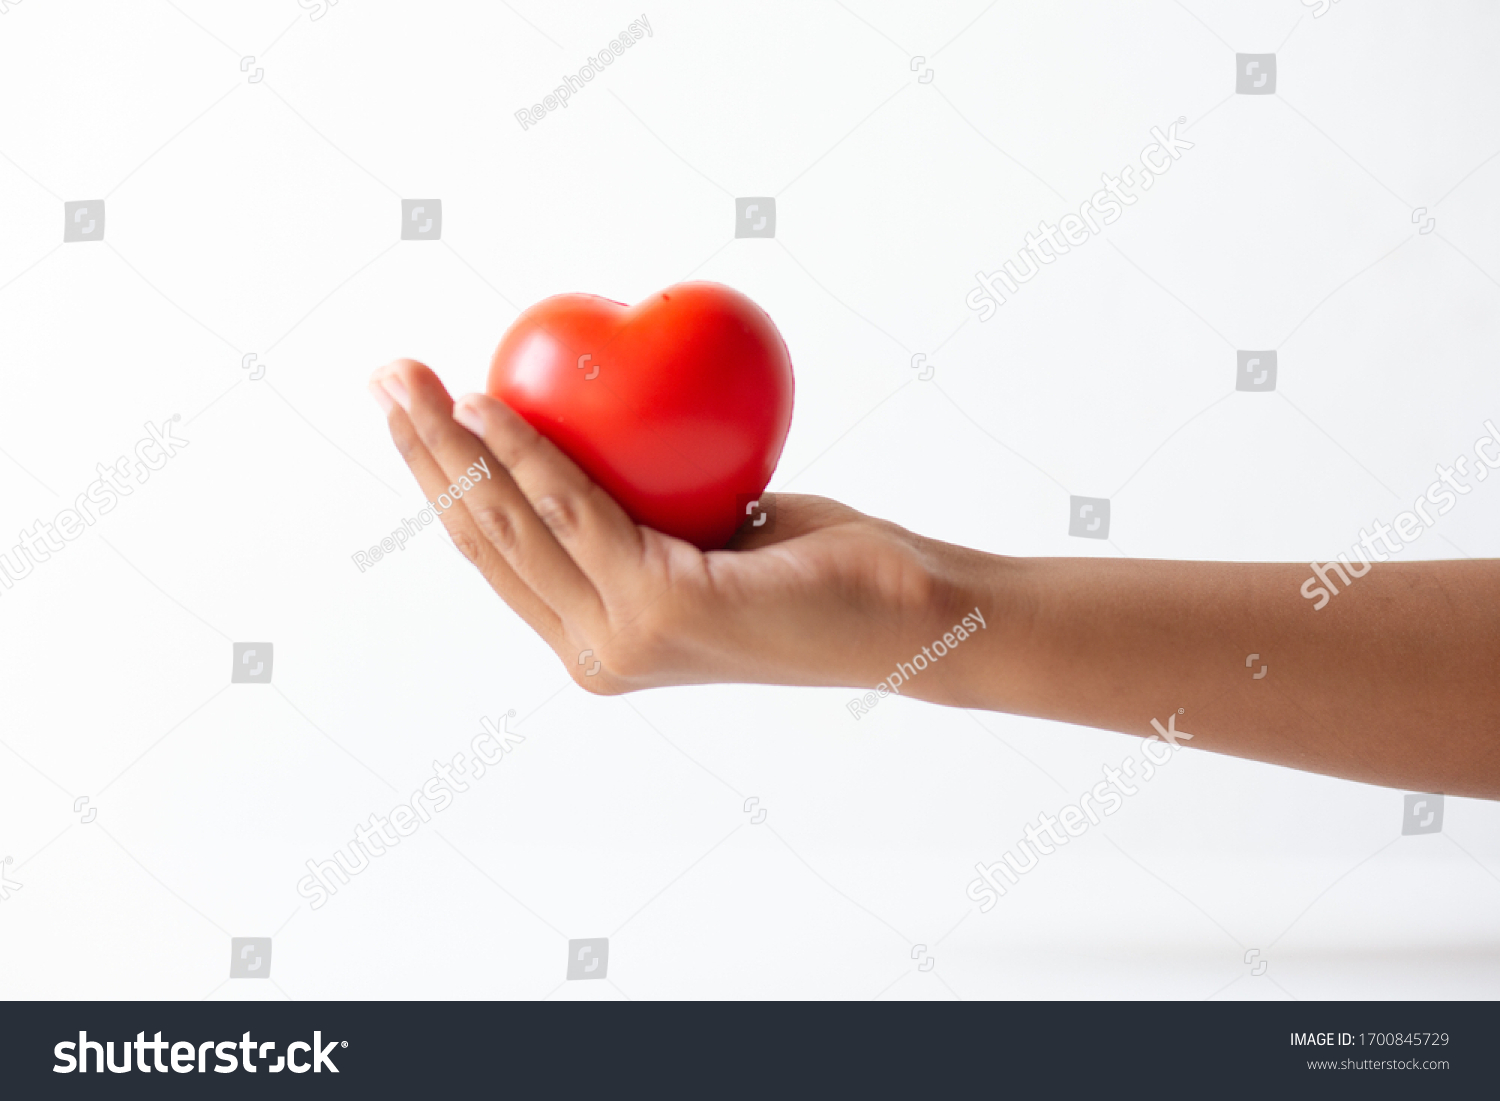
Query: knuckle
point(467, 545)
point(559, 514)
point(429, 432)
point(404, 437)
point(497, 527)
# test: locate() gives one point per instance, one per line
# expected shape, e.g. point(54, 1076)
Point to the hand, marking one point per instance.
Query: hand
point(825, 596)
point(829, 596)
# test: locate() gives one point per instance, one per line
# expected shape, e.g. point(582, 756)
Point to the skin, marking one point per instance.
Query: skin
point(1395, 682)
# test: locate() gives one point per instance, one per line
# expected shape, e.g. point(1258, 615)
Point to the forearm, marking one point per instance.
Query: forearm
point(1396, 682)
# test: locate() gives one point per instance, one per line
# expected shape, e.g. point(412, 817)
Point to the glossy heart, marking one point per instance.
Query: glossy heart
point(677, 406)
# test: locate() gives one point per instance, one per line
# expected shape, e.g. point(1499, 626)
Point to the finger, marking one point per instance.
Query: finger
point(585, 520)
point(498, 508)
point(462, 528)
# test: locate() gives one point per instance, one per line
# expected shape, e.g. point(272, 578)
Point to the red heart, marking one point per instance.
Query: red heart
point(678, 406)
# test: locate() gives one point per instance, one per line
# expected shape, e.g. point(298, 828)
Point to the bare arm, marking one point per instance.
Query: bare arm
point(1396, 682)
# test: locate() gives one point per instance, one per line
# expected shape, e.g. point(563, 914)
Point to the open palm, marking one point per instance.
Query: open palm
point(819, 594)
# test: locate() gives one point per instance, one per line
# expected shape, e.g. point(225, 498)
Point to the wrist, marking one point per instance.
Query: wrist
point(981, 609)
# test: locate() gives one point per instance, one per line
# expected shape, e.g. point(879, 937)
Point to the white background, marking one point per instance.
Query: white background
point(264, 218)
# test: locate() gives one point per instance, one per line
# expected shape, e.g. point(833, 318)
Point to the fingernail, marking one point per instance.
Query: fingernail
point(469, 417)
point(382, 399)
point(397, 390)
